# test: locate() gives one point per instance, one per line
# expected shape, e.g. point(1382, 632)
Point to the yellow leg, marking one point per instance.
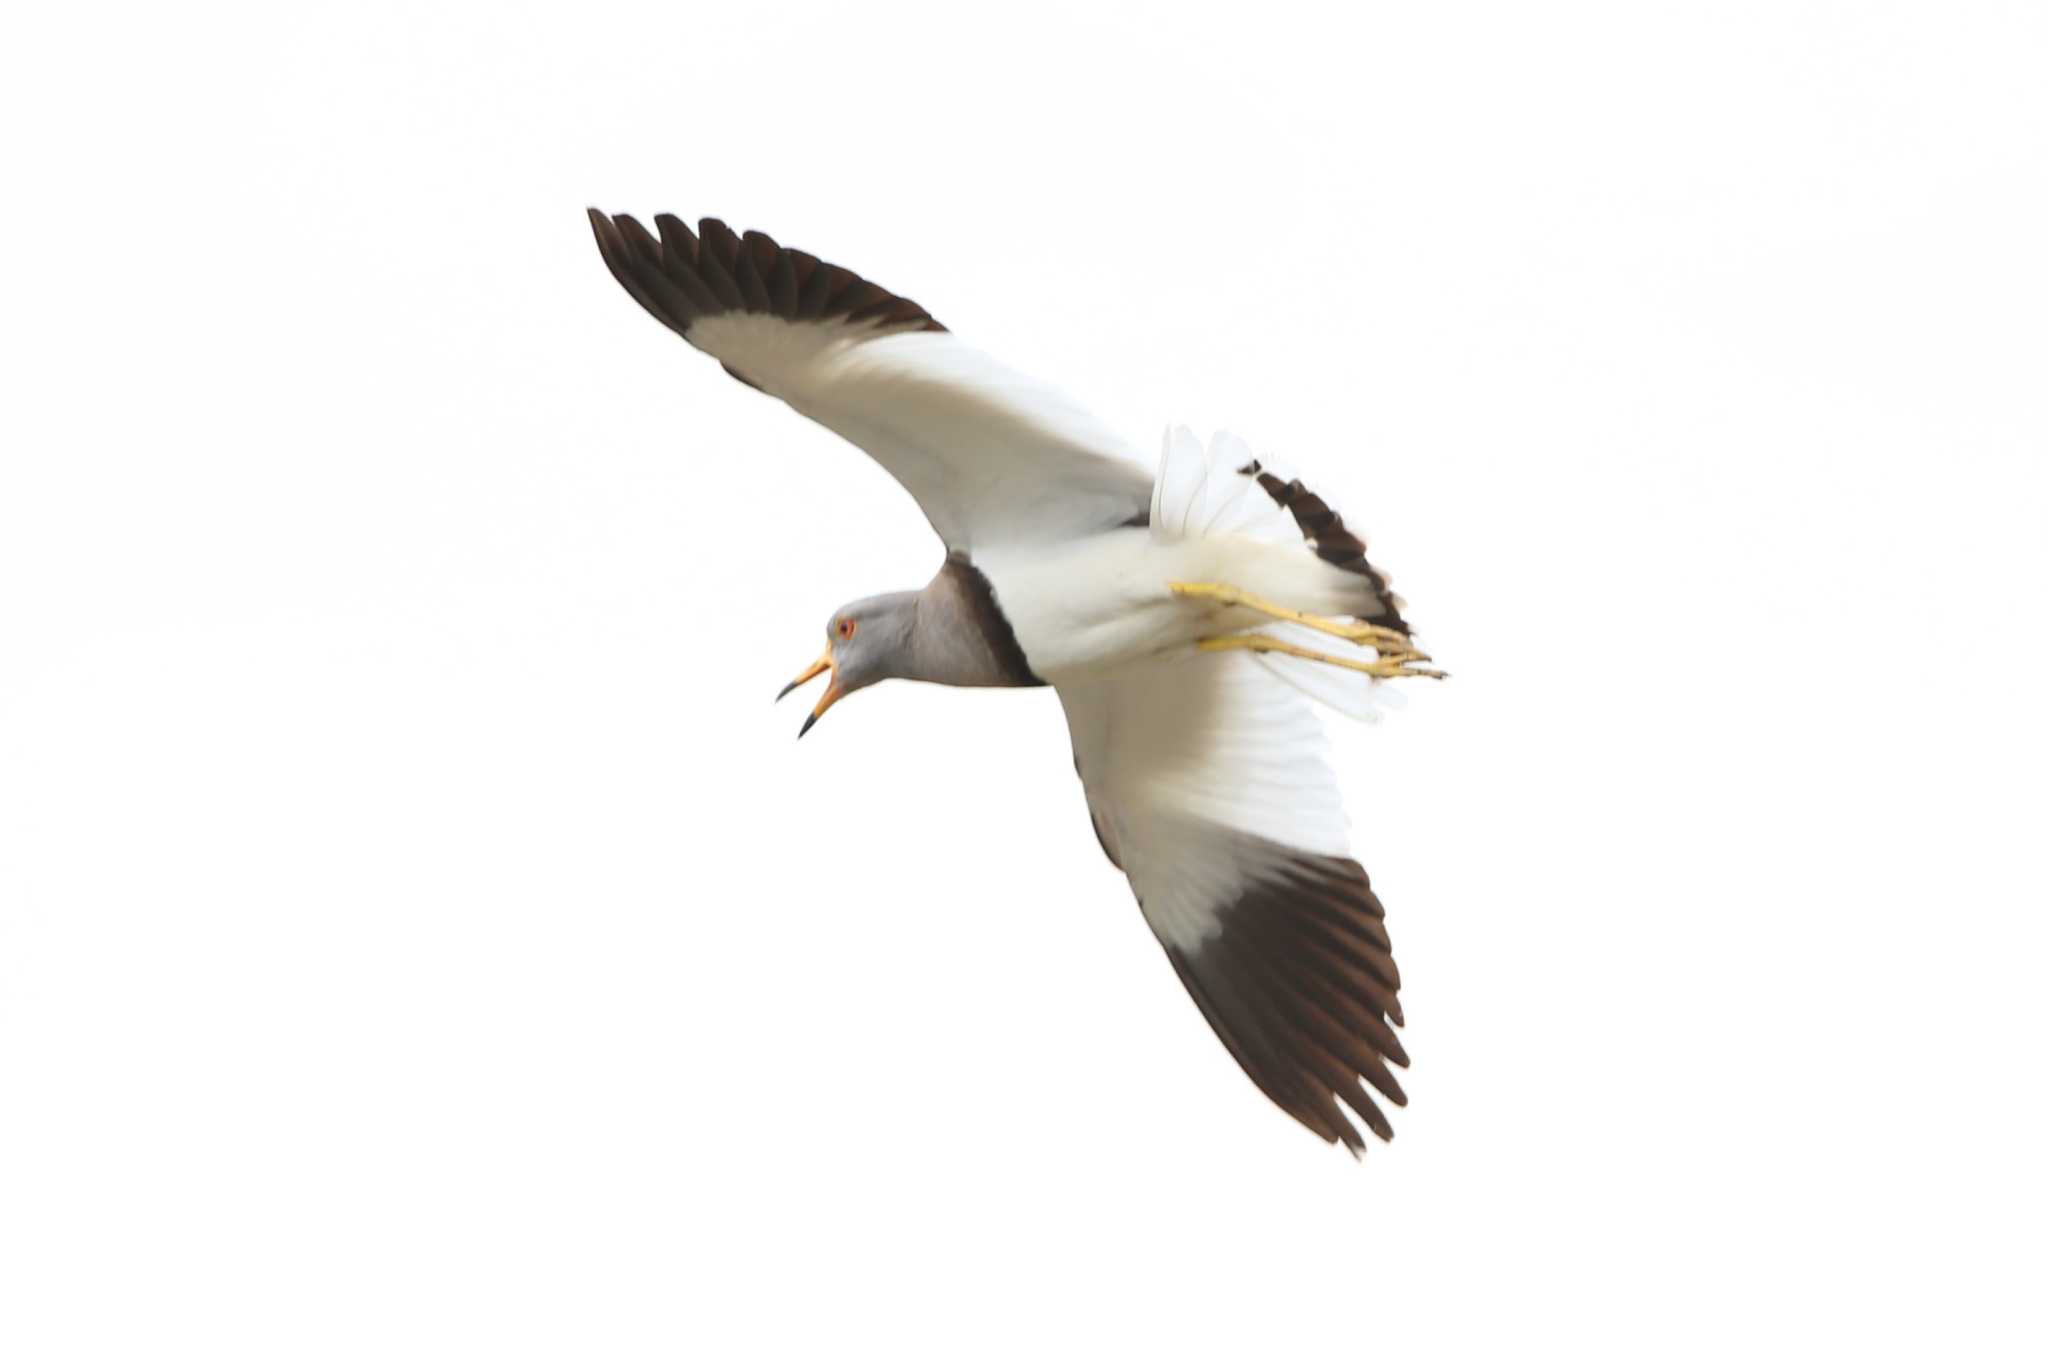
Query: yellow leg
point(1386, 666)
point(1390, 643)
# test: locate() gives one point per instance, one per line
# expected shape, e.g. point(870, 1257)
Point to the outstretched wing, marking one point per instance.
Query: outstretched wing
point(1207, 780)
point(993, 457)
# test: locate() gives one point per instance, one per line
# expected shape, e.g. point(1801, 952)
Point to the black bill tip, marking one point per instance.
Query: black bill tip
point(809, 721)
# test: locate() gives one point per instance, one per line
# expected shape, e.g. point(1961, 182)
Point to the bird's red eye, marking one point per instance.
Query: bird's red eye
point(846, 629)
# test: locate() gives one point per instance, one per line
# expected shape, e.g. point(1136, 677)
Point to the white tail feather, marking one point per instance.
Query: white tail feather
point(1200, 494)
point(1357, 695)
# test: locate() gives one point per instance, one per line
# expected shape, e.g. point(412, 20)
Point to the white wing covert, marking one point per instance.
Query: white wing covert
point(992, 456)
point(1207, 781)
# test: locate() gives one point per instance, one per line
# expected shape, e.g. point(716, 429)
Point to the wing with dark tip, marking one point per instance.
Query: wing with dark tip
point(1208, 786)
point(993, 457)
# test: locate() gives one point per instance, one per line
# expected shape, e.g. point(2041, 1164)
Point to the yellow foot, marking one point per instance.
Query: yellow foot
point(1391, 644)
point(1386, 666)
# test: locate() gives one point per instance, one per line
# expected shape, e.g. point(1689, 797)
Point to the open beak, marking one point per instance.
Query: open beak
point(832, 693)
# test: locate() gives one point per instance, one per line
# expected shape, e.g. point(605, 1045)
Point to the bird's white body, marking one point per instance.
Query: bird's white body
point(1204, 764)
point(1102, 602)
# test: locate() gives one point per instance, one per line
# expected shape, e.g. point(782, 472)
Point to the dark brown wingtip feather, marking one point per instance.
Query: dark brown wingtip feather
point(763, 249)
point(640, 244)
point(637, 273)
point(1233, 1017)
point(1300, 993)
point(753, 289)
point(678, 243)
point(855, 295)
point(719, 240)
point(716, 250)
point(825, 281)
point(778, 269)
point(1334, 543)
point(683, 276)
point(608, 244)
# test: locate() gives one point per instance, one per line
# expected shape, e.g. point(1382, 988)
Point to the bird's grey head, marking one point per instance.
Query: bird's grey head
point(865, 642)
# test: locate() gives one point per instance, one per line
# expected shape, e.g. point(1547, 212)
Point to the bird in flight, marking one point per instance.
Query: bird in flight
point(1188, 617)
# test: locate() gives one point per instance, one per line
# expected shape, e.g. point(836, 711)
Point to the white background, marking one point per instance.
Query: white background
point(421, 940)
